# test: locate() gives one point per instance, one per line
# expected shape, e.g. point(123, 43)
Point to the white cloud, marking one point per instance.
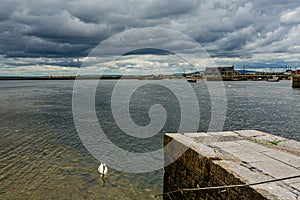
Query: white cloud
point(291, 16)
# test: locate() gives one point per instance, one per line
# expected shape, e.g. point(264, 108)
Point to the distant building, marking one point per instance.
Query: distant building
point(223, 71)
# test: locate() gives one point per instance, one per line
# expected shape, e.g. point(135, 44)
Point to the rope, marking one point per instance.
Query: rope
point(227, 186)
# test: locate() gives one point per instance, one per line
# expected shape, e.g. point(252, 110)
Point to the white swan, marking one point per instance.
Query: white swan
point(103, 169)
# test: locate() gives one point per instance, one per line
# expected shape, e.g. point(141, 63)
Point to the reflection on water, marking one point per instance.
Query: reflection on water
point(42, 157)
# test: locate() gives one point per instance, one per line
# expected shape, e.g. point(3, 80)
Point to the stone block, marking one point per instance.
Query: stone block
point(250, 133)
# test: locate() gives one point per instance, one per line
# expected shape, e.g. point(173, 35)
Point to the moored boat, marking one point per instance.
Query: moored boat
point(192, 78)
point(273, 79)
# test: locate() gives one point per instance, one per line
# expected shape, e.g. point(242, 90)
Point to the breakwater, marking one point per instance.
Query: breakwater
point(231, 158)
point(296, 82)
point(248, 77)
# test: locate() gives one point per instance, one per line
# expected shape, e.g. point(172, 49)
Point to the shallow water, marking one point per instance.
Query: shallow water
point(42, 156)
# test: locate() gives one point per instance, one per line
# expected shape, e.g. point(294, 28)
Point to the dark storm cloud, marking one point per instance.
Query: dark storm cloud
point(66, 63)
point(232, 28)
point(169, 8)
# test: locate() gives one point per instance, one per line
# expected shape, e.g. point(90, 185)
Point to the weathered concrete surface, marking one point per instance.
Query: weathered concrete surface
point(228, 158)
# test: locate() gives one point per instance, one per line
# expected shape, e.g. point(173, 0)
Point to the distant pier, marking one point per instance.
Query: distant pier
point(232, 159)
point(257, 77)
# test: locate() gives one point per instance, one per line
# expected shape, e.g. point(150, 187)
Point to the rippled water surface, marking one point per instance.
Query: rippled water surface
point(42, 157)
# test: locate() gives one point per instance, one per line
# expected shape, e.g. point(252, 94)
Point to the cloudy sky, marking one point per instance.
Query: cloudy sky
point(53, 37)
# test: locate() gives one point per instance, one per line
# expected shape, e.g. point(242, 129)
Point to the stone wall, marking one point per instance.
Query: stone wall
point(194, 169)
point(296, 82)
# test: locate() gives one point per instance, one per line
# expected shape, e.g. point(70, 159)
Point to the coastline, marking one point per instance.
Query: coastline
point(139, 77)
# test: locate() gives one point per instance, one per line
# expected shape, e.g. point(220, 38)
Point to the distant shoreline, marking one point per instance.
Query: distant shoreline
point(105, 77)
point(59, 77)
point(150, 77)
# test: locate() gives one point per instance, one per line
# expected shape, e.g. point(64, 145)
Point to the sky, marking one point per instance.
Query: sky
point(53, 37)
